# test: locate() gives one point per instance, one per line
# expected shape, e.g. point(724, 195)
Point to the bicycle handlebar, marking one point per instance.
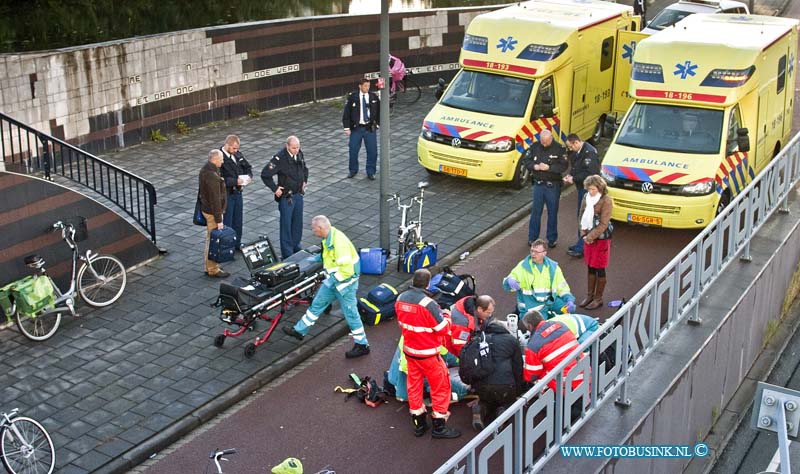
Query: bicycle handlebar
point(224, 452)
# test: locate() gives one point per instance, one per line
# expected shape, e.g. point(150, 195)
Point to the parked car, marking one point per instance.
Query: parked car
point(680, 10)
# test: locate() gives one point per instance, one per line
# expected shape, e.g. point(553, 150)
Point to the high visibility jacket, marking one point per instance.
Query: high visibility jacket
point(540, 284)
point(423, 327)
point(581, 325)
point(462, 323)
point(340, 259)
point(550, 343)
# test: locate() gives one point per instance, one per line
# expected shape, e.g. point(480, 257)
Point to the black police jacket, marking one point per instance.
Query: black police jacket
point(232, 167)
point(584, 163)
point(554, 155)
point(292, 172)
point(351, 116)
point(506, 355)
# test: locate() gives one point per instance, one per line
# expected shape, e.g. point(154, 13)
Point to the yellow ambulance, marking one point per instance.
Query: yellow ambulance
point(713, 101)
point(541, 64)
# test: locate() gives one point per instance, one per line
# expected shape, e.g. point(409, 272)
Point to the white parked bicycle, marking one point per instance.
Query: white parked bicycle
point(100, 280)
point(409, 232)
point(25, 446)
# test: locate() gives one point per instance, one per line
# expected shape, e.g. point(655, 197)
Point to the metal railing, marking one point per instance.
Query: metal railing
point(27, 150)
point(532, 430)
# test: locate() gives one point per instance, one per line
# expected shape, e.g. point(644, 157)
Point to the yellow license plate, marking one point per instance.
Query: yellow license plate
point(649, 220)
point(453, 170)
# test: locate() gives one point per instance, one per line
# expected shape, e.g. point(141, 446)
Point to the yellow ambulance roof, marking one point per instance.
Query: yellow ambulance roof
point(535, 22)
point(700, 58)
point(743, 36)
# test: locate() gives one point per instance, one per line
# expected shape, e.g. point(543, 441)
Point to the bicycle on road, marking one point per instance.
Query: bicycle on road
point(409, 232)
point(25, 445)
point(100, 280)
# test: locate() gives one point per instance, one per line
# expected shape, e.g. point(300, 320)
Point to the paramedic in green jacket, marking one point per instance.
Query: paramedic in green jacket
point(540, 284)
point(341, 262)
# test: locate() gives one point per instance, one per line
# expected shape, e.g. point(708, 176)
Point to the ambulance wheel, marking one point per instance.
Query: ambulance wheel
point(219, 340)
point(598, 130)
point(724, 200)
point(521, 175)
point(249, 350)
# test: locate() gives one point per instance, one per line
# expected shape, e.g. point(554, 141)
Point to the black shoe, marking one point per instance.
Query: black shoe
point(291, 331)
point(552, 244)
point(219, 274)
point(420, 424)
point(441, 430)
point(358, 350)
point(571, 248)
point(351, 175)
point(477, 417)
point(575, 253)
point(371, 177)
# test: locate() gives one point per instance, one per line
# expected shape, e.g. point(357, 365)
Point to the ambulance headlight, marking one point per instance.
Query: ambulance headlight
point(647, 72)
point(426, 134)
point(728, 77)
point(610, 179)
point(498, 145)
point(704, 187)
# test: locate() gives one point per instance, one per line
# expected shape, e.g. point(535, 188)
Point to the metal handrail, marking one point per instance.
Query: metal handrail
point(36, 152)
point(635, 330)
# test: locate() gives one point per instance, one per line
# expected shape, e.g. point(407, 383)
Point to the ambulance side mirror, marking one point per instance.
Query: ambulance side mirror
point(743, 140)
point(440, 87)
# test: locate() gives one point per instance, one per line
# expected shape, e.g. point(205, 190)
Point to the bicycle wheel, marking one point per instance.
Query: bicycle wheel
point(33, 453)
point(408, 91)
point(109, 284)
point(40, 326)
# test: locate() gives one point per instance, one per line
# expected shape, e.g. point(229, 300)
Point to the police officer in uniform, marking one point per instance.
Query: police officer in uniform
point(361, 119)
point(237, 173)
point(290, 167)
point(547, 160)
point(584, 162)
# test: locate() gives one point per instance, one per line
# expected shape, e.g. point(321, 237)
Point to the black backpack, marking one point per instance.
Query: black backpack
point(476, 362)
point(453, 287)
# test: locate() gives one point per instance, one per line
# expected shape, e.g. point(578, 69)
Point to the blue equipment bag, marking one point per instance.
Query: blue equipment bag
point(373, 260)
point(378, 304)
point(222, 245)
point(422, 256)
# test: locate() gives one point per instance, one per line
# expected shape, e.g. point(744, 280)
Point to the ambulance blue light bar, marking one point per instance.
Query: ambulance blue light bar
point(728, 77)
point(541, 52)
point(647, 72)
point(476, 44)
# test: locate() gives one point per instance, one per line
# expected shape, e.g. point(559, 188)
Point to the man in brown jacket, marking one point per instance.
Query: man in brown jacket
point(213, 200)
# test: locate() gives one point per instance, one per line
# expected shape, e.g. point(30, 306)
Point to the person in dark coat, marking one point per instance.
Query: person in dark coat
point(213, 202)
point(237, 173)
point(290, 167)
point(583, 162)
point(505, 383)
point(547, 161)
point(361, 119)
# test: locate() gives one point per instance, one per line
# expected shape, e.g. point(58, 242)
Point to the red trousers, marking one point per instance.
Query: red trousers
point(435, 370)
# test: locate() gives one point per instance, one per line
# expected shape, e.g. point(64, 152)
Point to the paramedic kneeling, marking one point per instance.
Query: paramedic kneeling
point(424, 329)
point(540, 284)
point(340, 260)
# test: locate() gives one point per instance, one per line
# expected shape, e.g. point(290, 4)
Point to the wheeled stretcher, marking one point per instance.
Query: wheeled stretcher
point(272, 289)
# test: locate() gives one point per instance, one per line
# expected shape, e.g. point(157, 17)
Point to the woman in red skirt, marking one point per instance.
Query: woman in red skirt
point(595, 219)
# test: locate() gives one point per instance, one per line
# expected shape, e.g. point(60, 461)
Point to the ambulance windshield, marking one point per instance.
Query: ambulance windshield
point(489, 93)
point(672, 128)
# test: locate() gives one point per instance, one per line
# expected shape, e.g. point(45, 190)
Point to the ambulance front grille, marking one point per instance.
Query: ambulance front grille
point(455, 160)
point(640, 206)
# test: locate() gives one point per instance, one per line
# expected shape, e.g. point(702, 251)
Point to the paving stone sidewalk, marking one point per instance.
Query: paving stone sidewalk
point(113, 382)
